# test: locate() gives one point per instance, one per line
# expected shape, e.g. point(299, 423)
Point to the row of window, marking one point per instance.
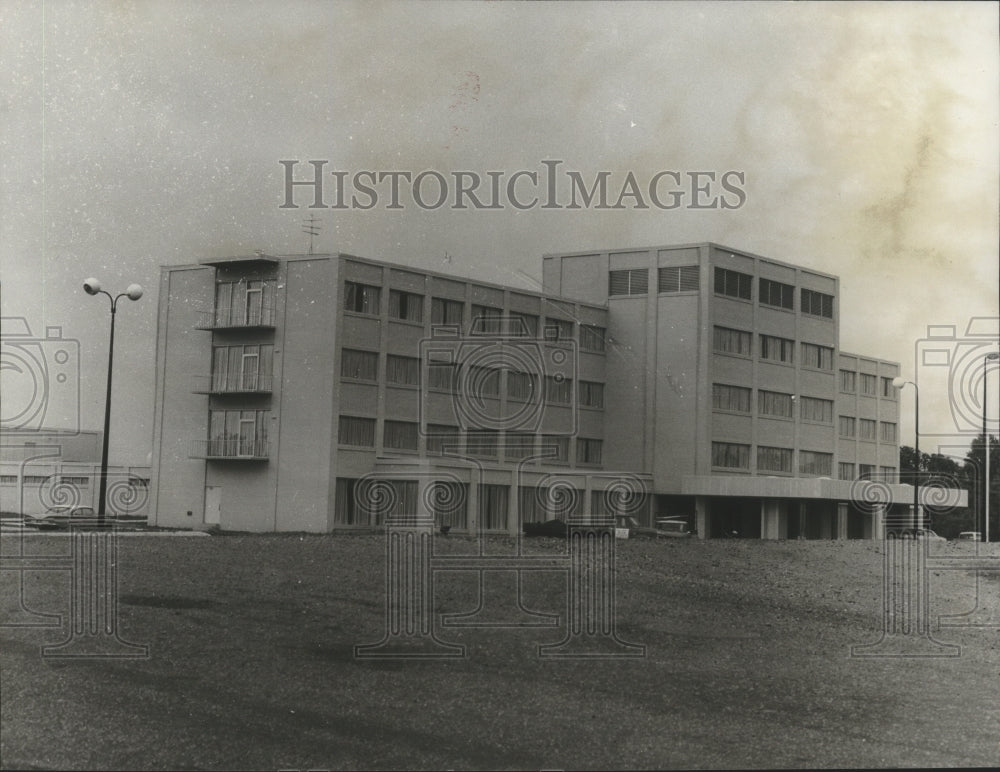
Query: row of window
point(867, 429)
point(40, 479)
point(360, 432)
point(731, 455)
point(737, 399)
point(635, 281)
point(485, 320)
point(849, 380)
point(362, 365)
point(359, 503)
point(735, 284)
point(771, 348)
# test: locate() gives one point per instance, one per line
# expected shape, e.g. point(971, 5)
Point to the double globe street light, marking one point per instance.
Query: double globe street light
point(133, 292)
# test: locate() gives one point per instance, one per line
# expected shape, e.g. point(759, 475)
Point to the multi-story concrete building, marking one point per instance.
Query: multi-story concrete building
point(319, 392)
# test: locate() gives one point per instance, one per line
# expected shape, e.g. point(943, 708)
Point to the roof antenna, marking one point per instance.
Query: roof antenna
point(311, 226)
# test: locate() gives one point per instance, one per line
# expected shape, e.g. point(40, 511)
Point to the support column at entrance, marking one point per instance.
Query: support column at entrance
point(701, 516)
point(842, 520)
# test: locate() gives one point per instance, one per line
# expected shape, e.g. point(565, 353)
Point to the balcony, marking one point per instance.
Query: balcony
point(238, 383)
point(231, 449)
point(237, 318)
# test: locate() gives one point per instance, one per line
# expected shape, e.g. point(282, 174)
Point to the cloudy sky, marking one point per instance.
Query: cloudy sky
point(136, 134)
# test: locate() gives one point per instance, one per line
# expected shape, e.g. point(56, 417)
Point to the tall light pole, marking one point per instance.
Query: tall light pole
point(899, 382)
point(993, 355)
point(133, 292)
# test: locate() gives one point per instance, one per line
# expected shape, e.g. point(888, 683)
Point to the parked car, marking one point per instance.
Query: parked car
point(61, 517)
point(672, 527)
point(915, 533)
point(970, 536)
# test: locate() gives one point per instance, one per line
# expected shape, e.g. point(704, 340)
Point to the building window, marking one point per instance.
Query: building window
point(362, 298)
point(442, 376)
point(244, 303)
point(359, 432)
point(774, 459)
point(356, 502)
point(887, 431)
point(486, 320)
point(482, 442)
point(348, 507)
point(681, 279)
point(730, 455)
point(493, 503)
point(8, 479)
point(358, 365)
point(811, 462)
point(866, 471)
point(238, 433)
point(558, 329)
point(632, 281)
point(588, 451)
point(402, 370)
point(592, 337)
point(888, 474)
point(868, 384)
point(819, 357)
point(449, 503)
point(819, 410)
point(523, 325)
point(845, 470)
point(775, 349)
point(847, 427)
point(447, 311)
point(519, 445)
point(399, 435)
point(35, 479)
point(591, 394)
point(442, 438)
point(817, 303)
point(531, 503)
point(67, 479)
point(522, 386)
point(406, 306)
point(555, 448)
point(848, 381)
point(558, 390)
point(242, 368)
point(732, 283)
point(774, 403)
point(481, 382)
point(734, 398)
point(866, 429)
point(888, 390)
point(774, 293)
point(727, 341)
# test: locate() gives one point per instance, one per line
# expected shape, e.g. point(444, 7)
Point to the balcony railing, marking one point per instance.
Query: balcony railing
point(240, 383)
point(231, 449)
point(237, 318)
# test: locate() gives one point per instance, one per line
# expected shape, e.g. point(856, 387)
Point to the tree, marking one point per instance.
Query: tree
point(975, 469)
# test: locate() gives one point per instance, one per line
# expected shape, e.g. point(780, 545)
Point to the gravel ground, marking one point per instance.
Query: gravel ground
point(747, 664)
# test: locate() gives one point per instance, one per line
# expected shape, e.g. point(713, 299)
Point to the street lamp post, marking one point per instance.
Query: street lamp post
point(133, 292)
point(992, 356)
point(899, 382)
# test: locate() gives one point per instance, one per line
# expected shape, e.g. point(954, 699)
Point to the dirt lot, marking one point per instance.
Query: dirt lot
point(251, 666)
